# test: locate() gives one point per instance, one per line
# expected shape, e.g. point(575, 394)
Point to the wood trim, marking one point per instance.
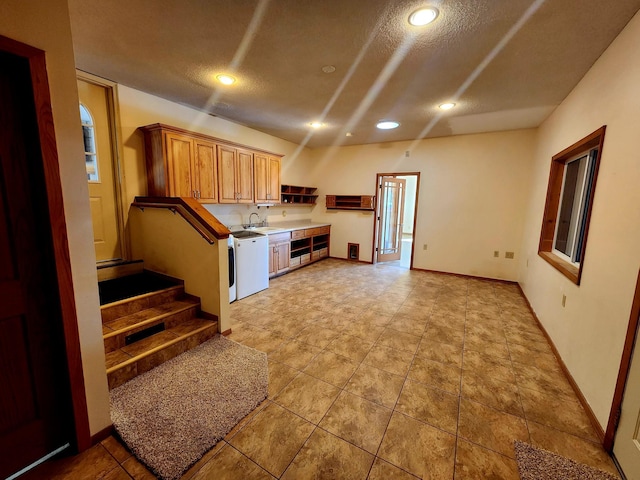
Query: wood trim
point(208, 226)
point(581, 398)
point(51, 169)
point(102, 435)
point(554, 189)
point(345, 259)
point(202, 136)
point(226, 333)
point(464, 275)
point(623, 373)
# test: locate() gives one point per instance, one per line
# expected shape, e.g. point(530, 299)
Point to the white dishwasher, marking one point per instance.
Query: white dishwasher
point(252, 262)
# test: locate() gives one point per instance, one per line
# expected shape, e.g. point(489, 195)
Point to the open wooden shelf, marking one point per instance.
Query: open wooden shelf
point(296, 195)
point(351, 202)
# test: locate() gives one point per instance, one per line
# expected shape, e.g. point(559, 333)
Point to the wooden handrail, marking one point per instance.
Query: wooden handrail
point(192, 211)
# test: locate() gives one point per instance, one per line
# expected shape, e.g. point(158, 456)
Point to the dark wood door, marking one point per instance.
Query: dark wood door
point(36, 415)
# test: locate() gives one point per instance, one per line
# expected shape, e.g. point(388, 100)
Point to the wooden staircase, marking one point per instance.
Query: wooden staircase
point(148, 320)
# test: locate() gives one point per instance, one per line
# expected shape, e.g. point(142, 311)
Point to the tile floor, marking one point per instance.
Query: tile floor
point(383, 373)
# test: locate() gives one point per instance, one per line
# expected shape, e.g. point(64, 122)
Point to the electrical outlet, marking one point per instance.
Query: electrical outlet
point(424, 247)
point(496, 253)
point(508, 255)
point(564, 300)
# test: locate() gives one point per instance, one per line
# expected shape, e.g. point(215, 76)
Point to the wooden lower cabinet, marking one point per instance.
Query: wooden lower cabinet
point(279, 253)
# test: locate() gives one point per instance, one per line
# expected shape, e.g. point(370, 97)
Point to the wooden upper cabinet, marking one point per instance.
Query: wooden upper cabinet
point(267, 178)
point(235, 172)
point(207, 171)
point(181, 165)
point(188, 164)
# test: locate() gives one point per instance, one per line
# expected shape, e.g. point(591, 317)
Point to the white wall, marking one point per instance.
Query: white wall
point(46, 25)
point(473, 190)
point(589, 332)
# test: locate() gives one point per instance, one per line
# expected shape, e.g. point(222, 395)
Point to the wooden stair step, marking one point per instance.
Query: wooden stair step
point(127, 362)
point(170, 313)
point(129, 306)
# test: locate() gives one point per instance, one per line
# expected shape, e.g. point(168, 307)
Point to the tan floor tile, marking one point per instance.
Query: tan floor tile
point(357, 421)
point(349, 346)
point(399, 340)
point(439, 375)
point(332, 368)
point(375, 385)
point(474, 462)
point(444, 334)
point(418, 448)
point(532, 377)
point(116, 448)
point(229, 464)
point(490, 428)
point(308, 397)
point(481, 364)
point(382, 470)
point(429, 405)
point(369, 333)
point(263, 340)
point(494, 349)
point(273, 426)
point(389, 359)
point(327, 456)
point(295, 354)
point(570, 446)
point(561, 412)
point(440, 352)
point(195, 468)
point(118, 473)
point(242, 423)
point(316, 335)
point(520, 354)
point(418, 312)
point(489, 391)
point(385, 307)
point(410, 325)
point(137, 470)
point(279, 376)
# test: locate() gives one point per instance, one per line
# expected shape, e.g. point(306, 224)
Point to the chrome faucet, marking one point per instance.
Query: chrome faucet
point(252, 214)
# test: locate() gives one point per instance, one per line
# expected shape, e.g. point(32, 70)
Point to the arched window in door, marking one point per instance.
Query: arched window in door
point(90, 153)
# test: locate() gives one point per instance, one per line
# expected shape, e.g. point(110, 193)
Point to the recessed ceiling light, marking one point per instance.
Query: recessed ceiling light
point(387, 125)
point(328, 69)
point(447, 106)
point(316, 124)
point(226, 79)
point(423, 16)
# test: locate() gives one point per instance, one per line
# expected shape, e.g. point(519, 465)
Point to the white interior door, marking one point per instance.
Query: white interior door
point(626, 447)
point(392, 191)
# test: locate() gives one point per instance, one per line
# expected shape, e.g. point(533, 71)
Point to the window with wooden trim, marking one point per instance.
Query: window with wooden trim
point(567, 213)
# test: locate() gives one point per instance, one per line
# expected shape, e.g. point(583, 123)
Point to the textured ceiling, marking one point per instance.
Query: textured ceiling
point(506, 63)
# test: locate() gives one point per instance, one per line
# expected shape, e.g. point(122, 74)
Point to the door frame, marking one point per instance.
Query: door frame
point(51, 170)
point(116, 154)
point(623, 373)
point(376, 218)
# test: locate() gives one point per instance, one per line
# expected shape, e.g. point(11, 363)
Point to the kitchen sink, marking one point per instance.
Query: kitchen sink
point(247, 234)
point(267, 229)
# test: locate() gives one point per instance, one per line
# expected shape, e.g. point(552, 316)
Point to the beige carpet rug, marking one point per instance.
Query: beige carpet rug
point(537, 464)
point(170, 416)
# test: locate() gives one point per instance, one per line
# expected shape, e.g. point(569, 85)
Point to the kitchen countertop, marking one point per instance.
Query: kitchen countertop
point(282, 227)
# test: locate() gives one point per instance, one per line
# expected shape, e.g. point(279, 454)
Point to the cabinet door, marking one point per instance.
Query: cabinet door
point(273, 260)
point(273, 192)
point(261, 177)
point(283, 253)
point(180, 163)
point(244, 176)
point(227, 174)
point(207, 174)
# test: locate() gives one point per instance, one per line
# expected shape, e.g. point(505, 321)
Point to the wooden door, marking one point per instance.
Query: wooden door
point(181, 165)
point(206, 171)
point(626, 446)
point(244, 176)
point(99, 161)
point(35, 402)
point(274, 180)
point(261, 177)
point(227, 174)
point(390, 214)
